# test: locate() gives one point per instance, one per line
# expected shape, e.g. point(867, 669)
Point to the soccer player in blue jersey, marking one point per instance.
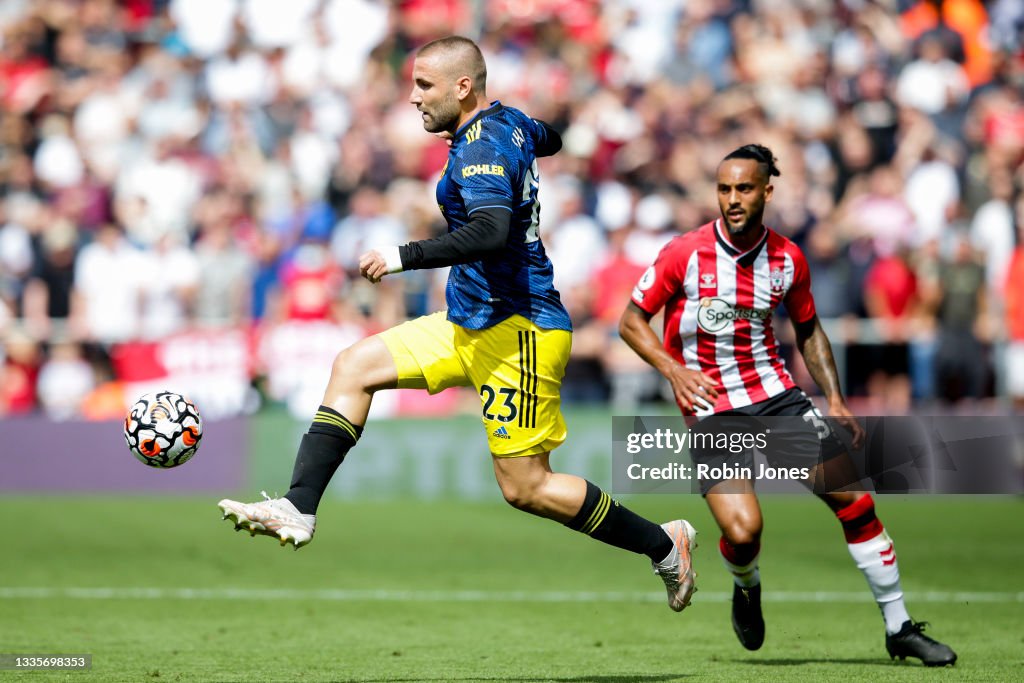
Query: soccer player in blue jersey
point(505, 333)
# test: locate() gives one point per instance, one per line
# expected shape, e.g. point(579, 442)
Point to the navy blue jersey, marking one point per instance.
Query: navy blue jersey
point(493, 164)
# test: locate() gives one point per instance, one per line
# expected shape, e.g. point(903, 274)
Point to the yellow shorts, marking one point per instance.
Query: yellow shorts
point(515, 366)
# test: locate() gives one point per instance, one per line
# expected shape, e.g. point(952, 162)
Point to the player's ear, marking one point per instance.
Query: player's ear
point(463, 86)
point(768, 189)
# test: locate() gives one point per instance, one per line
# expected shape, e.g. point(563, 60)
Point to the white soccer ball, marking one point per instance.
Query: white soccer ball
point(163, 429)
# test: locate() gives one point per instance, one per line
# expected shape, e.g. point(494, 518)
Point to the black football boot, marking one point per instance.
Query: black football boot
point(912, 642)
point(747, 621)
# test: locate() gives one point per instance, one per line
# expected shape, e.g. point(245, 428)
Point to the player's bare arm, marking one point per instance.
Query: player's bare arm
point(814, 346)
point(692, 388)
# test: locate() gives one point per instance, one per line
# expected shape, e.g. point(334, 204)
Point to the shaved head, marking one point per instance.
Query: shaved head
point(457, 57)
point(449, 83)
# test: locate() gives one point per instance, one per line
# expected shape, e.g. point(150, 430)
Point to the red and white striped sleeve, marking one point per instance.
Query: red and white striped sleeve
point(799, 301)
point(664, 279)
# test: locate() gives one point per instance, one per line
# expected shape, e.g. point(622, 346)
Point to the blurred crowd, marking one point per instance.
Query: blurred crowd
point(171, 165)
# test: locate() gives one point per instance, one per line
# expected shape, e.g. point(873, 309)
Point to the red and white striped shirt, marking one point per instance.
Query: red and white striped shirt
point(719, 304)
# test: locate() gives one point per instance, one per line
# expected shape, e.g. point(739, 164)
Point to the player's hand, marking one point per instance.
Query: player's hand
point(841, 413)
point(372, 266)
point(693, 389)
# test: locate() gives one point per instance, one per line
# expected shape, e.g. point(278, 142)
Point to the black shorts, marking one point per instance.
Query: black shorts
point(786, 428)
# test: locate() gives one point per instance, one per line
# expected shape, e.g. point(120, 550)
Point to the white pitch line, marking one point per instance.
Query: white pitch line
point(385, 595)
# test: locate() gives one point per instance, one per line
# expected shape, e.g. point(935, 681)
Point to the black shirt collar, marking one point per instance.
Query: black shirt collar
point(743, 259)
point(495, 107)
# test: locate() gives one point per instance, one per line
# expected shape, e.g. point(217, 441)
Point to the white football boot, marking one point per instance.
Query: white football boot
point(271, 517)
point(676, 570)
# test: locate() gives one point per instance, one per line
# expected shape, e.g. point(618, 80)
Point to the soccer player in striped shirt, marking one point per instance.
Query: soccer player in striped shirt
point(505, 333)
point(719, 286)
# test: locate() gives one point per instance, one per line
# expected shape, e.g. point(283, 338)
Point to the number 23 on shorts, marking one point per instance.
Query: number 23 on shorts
point(499, 404)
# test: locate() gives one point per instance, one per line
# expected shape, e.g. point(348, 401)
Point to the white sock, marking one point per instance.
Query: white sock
point(745, 576)
point(876, 558)
point(895, 615)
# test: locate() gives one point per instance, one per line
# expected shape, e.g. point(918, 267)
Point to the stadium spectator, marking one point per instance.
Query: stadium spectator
point(23, 70)
point(992, 231)
point(960, 25)
point(932, 193)
point(933, 82)
point(964, 322)
point(891, 298)
point(702, 45)
point(65, 379)
point(169, 289)
point(367, 226)
point(106, 304)
point(310, 279)
point(24, 216)
point(630, 382)
point(224, 289)
point(205, 26)
point(48, 291)
point(19, 373)
point(156, 194)
point(880, 213)
point(575, 240)
point(874, 110)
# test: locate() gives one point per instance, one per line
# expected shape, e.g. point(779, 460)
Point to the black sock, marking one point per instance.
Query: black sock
point(608, 521)
point(322, 449)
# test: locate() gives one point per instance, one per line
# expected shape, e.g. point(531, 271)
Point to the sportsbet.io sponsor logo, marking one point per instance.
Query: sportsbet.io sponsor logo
point(715, 314)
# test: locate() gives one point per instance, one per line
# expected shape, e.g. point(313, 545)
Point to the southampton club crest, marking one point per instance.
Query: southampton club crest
point(777, 280)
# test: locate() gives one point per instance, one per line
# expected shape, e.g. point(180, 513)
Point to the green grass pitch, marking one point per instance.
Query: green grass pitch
point(162, 590)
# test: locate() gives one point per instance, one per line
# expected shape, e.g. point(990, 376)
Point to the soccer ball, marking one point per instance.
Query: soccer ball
point(163, 429)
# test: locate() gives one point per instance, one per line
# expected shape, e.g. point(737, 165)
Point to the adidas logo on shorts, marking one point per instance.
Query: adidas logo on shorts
point(501, 433)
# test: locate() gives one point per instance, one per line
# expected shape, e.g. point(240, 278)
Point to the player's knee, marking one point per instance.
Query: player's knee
point(742, 532)
point(849, 503)
point(354, 367)
point(344, 369)
point(519, 496)
point(860, 498)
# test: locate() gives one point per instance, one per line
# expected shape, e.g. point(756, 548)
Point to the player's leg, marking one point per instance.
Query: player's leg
point(875, 555)
point(738, 515)
point(416, 354)
point(528, 483)
point(357, 372)
point(867, 540)
point(517, 368)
